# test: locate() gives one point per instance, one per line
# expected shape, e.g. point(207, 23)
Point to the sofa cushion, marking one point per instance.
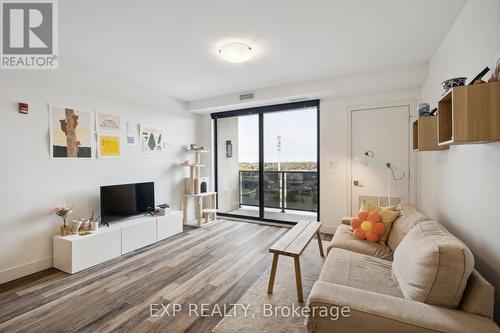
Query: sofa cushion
point(432, 266)
point(479, 296)
point(388, 215)
point(359, 271)
point(344, 239)
point(405, 222)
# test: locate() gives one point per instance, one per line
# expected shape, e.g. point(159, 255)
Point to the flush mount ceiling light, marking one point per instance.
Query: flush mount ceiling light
point(236, 52)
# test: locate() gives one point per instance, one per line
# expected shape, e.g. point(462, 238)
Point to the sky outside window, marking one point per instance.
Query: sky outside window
point(298, 131)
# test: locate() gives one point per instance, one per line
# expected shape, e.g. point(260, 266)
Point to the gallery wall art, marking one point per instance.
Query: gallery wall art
point(108, 122)
point(152, 139)
point(109, 145)
point(71, 132)
point(131, 134)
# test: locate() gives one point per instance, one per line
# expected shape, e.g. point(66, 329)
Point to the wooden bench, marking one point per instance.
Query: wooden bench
point(292, 244)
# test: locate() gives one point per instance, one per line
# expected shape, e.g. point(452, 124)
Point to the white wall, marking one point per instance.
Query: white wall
point(31, 183)
point(334, 147)
point(337, 96)
point(359, 84)
point(228, 167)
point(460, 187)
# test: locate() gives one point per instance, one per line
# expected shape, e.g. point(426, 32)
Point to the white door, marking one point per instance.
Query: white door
point(384, 133)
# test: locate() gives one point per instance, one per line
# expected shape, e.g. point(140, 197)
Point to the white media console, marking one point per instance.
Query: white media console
point(75, 253)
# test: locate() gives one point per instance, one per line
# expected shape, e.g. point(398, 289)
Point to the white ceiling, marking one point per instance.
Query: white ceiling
point(171, 46)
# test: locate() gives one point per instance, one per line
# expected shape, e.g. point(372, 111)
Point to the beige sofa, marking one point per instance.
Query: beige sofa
point(423, 280)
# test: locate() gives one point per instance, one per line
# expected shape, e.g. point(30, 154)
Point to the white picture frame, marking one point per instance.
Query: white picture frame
point(108, 122)
point(106, 153)
point(86, 131)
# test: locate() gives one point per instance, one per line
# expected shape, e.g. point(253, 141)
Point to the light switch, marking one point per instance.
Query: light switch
point(332, 164)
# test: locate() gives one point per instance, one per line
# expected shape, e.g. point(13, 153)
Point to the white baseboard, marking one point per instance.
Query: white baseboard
point(13, 273)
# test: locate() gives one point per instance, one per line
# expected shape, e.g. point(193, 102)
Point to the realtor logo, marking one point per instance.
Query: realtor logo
point(29, 34)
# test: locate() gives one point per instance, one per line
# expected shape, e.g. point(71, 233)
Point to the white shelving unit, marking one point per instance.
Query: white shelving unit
point(203, 215)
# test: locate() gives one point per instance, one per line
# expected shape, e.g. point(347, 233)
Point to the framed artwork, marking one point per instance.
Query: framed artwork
point(152, 139)
point(71, 132)
point(108, 122)
point(131, 139)
point(131, 134)
point(109, 145)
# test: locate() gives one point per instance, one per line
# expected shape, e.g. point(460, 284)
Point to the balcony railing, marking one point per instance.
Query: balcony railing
point(293, 190)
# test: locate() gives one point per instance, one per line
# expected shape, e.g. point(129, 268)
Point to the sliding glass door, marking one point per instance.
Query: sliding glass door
point(290, 165)
point(271, 150)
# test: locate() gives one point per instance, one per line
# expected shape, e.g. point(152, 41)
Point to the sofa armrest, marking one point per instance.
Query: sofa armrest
point(374, 312)
point(346, 220)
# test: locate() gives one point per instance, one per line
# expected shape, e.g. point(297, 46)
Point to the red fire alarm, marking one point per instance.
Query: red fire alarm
point(23, 108)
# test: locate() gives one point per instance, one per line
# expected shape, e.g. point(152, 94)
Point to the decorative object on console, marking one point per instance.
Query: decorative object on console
point(62, 211)
point(75, 226)
point(94, 226)
point(162, 210)
point(109, 145)
point(93, 223)
point(478, 78)
point(85, 224)
point(455, 82)
point(23, 108)
point(424, 109)
point(108, 122)
point(70, 132)
point(368, 226)
point(151, 139)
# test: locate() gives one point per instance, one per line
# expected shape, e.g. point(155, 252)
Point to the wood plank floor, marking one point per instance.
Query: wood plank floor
point(212, 265)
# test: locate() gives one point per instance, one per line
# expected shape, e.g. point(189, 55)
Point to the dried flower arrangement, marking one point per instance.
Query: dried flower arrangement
point(62, 211)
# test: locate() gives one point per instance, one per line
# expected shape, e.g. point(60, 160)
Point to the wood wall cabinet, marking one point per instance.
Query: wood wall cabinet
point(470, 114)
point(425, 135)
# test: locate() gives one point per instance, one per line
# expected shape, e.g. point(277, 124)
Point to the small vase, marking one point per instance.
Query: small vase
point(64, 231)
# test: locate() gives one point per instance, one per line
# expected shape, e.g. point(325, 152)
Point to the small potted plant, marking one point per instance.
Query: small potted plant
point(62, 211)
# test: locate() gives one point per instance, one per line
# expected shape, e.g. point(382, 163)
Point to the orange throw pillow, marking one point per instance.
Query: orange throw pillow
point(388, 215)
point(368, 226)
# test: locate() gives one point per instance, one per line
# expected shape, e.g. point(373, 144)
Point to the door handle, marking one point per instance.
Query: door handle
point(357, 183)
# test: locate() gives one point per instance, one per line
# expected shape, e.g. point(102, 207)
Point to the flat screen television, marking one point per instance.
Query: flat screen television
point(122, 201)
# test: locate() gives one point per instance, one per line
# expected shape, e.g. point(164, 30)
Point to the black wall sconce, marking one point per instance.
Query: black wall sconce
point(229, 148)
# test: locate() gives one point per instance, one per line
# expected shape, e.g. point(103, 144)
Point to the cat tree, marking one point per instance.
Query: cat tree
point(197, 190)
